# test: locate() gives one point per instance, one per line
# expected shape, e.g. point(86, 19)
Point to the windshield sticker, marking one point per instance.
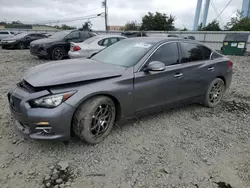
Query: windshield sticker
point(142, 45)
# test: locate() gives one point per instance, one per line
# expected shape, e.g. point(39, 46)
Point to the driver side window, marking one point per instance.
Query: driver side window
point(167, 54)
point(74, 35)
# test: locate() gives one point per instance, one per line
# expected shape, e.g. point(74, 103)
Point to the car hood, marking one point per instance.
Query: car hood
point(45, 41)
point(70, 71)
point(10, 38)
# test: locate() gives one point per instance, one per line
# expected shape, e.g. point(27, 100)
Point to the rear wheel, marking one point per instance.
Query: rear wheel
point(214, 94)
point(58, 53)
point(94, 119)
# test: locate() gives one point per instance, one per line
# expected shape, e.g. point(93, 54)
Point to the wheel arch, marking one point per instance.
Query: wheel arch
point(56, 46)
point(113, 98)
point(223, 78)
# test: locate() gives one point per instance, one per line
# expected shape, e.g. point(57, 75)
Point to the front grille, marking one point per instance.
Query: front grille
point(15, 103)
point(26, 86)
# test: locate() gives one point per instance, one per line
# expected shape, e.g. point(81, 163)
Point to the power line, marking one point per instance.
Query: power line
point(71, 19)
point(224, 9)
point(216, 11)
point(82, 11)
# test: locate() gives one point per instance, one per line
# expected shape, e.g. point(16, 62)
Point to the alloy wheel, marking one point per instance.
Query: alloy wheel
point(216, 92)
point(21, 46)
point(101, 120)
point(58, 54)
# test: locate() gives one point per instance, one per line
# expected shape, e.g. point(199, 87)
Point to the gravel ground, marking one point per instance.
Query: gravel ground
point(192, 146)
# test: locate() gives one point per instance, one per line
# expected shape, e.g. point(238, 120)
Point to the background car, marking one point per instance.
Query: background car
point(92, 45)
point(6, 34)
point(130, 34)
point(56, 47)
point(129, 78)
point(21, 41)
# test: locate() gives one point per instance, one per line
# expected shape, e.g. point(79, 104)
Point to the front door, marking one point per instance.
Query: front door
point(158, 88)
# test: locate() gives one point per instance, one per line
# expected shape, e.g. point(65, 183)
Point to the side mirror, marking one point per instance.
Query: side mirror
point(27, 38)
point(156, 66)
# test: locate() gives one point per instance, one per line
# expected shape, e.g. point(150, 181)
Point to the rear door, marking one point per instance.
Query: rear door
point(29, 38)
point(40, 36)
point(197, 68)
point(157, 88)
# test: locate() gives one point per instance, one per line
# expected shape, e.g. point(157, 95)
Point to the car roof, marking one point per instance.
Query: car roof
point(155, 40)
point(108, 36)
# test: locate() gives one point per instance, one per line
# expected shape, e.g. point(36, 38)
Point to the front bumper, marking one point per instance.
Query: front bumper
point(28, 120)
point(38, 51)
point(8, 45)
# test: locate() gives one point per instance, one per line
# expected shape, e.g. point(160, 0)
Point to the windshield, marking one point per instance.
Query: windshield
point(20, 35)
point(60, 35)
point(125, 53)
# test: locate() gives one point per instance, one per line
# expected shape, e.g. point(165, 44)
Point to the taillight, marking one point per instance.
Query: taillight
point(76, 48)
point(230, 64)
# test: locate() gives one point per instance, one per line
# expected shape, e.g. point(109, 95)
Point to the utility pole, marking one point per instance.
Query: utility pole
point(197, 15)
point(104, 4)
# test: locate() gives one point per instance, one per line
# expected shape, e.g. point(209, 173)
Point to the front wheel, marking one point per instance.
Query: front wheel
point(21, 46)
point(214, 94)
point(58, 53)
point(94, 119)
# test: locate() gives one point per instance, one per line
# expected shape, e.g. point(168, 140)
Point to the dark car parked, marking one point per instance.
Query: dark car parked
point(129, 78)
point(21, 41)
point(130, 34)
point(56, 47)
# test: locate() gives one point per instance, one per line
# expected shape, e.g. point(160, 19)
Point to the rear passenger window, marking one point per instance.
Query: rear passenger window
point(191, 52)
point(167, 53)
point(113, 40)
point(85, 35)
point(206, 53)
point(104, 42)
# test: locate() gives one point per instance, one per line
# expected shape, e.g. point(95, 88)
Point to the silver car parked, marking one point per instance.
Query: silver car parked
point(132, 77)
point(92, 45)
point(6, 34)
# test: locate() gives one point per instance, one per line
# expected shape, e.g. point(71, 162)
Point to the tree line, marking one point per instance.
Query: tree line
point(162, 22)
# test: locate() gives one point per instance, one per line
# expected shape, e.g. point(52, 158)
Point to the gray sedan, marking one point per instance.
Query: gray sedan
point(132, 77)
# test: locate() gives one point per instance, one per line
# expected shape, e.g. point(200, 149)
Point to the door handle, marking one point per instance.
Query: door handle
point(210, 69)
point(178, 75)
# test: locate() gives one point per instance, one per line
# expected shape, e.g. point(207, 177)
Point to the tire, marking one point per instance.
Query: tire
point(58, 53)
point(21, 46)
point(92, 114)
point(214, 94)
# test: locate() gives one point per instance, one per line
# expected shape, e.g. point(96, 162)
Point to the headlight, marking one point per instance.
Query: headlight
point(51, 101)
point(45, 45)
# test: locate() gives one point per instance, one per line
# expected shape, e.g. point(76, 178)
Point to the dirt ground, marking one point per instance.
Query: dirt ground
point(192, 146)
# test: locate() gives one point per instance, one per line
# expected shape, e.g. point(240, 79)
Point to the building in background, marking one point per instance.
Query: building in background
point(115, 28)
point(42, 27)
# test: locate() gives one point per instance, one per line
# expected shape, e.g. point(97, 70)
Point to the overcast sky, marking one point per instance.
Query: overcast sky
point(120, 11)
